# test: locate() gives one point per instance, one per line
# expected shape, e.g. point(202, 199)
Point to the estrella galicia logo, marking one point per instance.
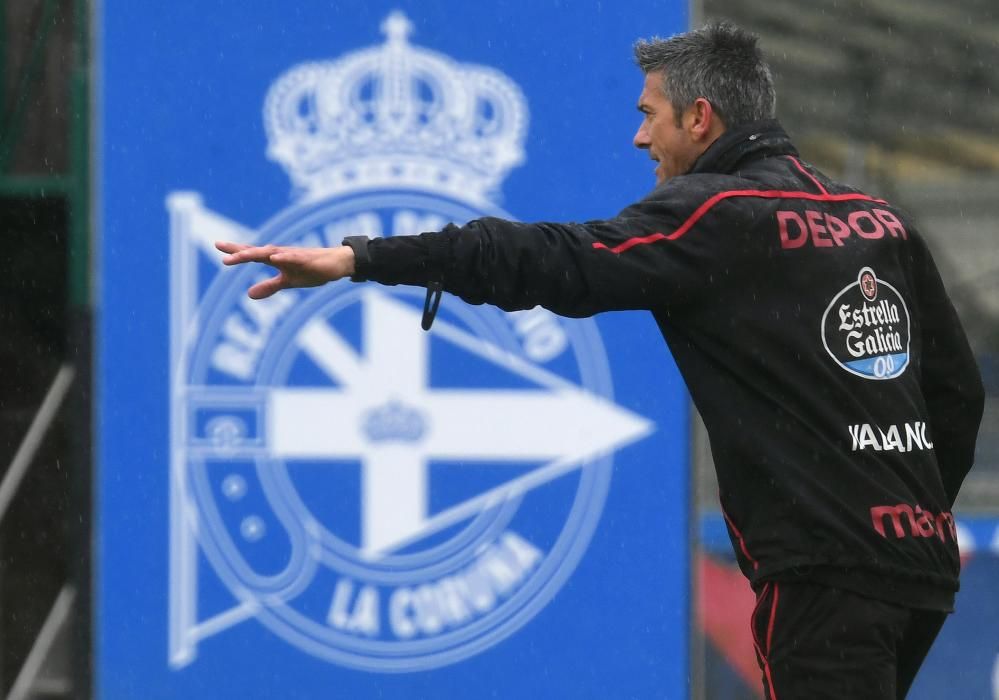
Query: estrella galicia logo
point(381, 497)
point(865, 328)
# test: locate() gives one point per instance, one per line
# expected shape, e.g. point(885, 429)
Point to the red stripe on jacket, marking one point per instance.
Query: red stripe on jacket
point(722, 196)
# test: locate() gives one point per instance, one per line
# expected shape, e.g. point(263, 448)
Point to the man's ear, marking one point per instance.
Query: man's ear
point(704, 123)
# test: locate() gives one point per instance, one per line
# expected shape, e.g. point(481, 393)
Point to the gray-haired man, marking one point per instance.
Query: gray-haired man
point(840, 395)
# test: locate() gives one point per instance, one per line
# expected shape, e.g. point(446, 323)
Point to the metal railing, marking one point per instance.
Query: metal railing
point(28, 682)
point(33, 437)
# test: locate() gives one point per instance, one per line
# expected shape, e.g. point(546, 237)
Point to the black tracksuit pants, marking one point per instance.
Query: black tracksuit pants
point(814, 641)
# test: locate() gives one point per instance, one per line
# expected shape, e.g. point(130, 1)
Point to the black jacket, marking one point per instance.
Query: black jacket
point(809, 321)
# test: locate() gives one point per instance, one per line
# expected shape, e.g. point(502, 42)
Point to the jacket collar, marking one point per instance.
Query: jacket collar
point(742, 144)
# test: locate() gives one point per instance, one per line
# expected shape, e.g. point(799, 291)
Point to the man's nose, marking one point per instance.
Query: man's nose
point(641, 139)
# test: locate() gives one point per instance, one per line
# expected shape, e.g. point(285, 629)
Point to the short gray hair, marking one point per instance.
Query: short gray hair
point(719, 62)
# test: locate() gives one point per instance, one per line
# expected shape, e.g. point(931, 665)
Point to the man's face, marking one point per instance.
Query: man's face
point(670, 145)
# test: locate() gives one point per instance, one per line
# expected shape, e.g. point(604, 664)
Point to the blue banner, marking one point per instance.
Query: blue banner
point(309, 496)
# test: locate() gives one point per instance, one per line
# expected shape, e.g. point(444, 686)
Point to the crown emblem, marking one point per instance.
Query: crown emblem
point(396, 116)
point(394, 422)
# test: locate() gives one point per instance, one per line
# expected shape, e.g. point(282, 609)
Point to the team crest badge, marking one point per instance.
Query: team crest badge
point(381, 497)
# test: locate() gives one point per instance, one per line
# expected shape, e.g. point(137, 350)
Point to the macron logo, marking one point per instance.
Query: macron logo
point(921, 523)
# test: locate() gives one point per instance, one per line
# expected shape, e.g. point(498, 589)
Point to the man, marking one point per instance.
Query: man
point(840, 395)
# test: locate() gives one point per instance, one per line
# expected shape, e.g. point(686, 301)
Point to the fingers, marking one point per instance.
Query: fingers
point(239, 253)
point(229, 246)
point(262, 290)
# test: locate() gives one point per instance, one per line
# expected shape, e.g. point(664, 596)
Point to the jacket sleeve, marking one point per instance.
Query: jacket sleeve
point(951, 382)
point(633, 261)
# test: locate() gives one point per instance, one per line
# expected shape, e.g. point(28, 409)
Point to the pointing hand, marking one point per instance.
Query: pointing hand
point(296, 267)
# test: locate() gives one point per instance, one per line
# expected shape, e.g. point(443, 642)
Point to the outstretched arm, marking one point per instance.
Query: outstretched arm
point(643, 258)
point(296, 267)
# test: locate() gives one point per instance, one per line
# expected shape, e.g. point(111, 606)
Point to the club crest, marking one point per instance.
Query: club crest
point(381, 497)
